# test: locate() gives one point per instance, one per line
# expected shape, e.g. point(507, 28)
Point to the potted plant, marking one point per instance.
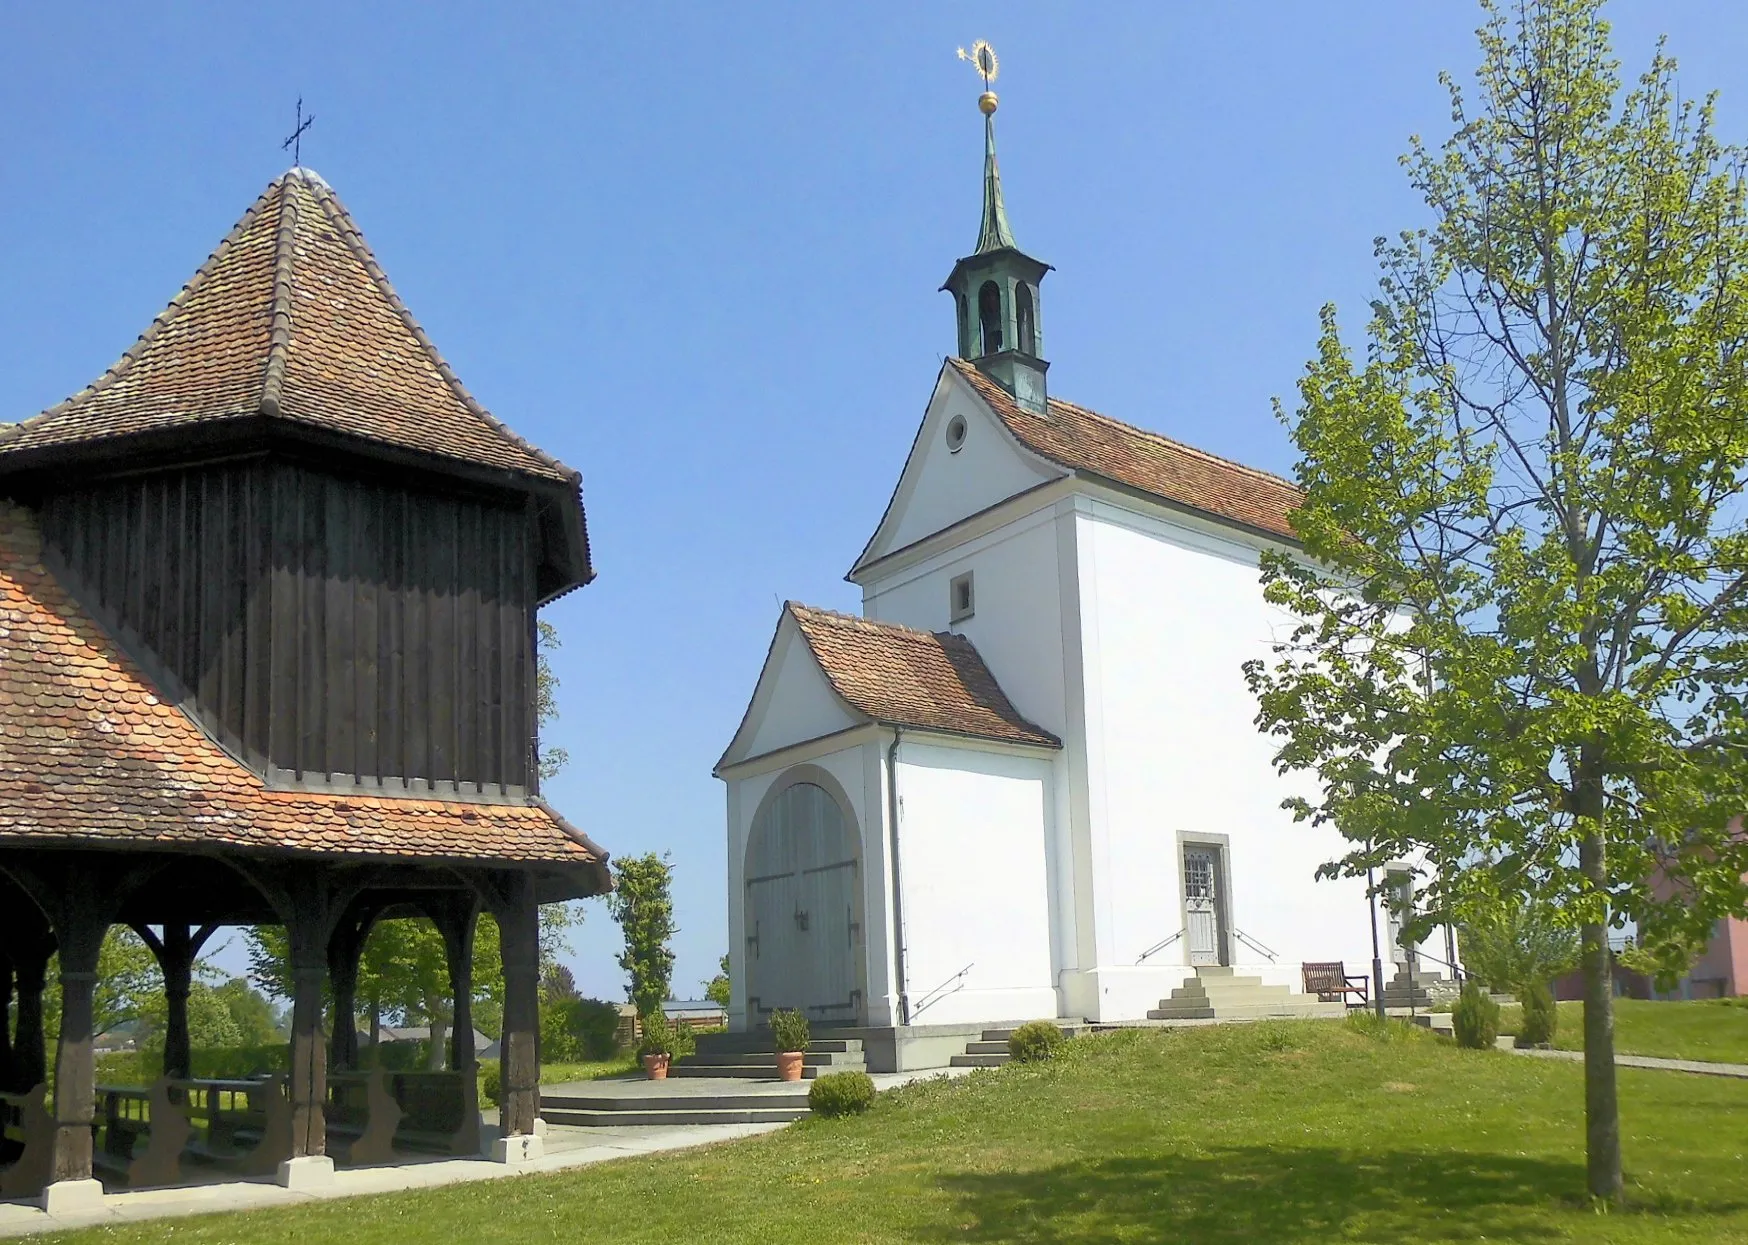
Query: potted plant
point(661, 1042)
point(790, 1035)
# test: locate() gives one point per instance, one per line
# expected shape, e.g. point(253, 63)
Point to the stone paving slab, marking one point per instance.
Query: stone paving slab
point(1698, 1066)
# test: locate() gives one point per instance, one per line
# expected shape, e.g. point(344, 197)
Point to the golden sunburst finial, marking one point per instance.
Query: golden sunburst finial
point(983, 59)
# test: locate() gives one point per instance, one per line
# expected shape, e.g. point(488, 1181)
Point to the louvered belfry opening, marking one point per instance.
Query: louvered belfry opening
point(276, 573)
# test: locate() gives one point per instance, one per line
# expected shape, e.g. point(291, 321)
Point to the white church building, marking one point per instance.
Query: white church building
point(1027, 781)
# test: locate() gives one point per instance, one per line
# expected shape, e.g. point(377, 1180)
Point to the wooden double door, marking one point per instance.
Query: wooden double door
point(804, 941)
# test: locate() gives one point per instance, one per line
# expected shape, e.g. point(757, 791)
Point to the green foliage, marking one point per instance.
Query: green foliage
point(1523, 605)
point(790, 1031)
point(491, 1081)
point(1512, 946)
point(574, 1030)
point(128, 984)
point(1475, 1018)
point(1541, 1018)
point(142, 1067)
point(717, 988)
point(552, 758)
point(663, 1037)
point(642, 902)
point(1035, 1041)
point(841, 1093)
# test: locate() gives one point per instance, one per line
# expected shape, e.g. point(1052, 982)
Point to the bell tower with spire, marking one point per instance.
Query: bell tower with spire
point(995, 288)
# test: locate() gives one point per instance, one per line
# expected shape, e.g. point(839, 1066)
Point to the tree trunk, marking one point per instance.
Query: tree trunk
point(1602, 1119)
point(438, 1035)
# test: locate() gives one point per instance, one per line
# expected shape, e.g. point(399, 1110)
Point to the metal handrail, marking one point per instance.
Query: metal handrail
point(1417, 953)
point(1254, 945)
point(1157, 947)
point(941, 991)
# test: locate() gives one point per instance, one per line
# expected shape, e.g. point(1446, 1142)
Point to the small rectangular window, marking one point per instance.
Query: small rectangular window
point(963, 598)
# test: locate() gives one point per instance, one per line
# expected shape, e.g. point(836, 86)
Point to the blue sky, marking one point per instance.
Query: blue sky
point(694, 251)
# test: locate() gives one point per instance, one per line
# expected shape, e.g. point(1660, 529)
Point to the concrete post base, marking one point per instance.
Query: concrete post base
point(312, 1171)
point(539, 1127)
point(520, 1149)
point(69, 1196)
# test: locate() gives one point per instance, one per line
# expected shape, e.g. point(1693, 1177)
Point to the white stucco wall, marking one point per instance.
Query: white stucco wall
point(795, 702)
point(1169, 615)
point(940, 487)
point(973, 833)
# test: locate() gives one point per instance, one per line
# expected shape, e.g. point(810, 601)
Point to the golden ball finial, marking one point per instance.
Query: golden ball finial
point(987, 102)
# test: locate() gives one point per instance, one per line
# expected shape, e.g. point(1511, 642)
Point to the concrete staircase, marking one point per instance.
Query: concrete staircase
point(990, 1050)
point(632, 1103)
point(746, 1056)
point(1219, 994)
point(1418, 988)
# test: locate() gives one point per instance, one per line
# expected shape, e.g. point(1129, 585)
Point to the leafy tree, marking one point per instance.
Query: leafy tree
point(717, 988)
point(642, 903)
point(1516, 947)
point(1523, 614)
point(128, 983)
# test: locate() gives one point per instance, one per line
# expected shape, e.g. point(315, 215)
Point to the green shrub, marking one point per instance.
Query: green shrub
point(1034, 1041)
point(558, 1038)
point(790, 1031)
point(841, 1093)
point(1541, 1017)
point(491, 1081)
point(596, 1026)
point(1475, 1018)
point(662, 1037)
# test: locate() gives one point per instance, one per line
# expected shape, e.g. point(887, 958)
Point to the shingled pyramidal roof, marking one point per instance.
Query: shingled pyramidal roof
point(290, 319)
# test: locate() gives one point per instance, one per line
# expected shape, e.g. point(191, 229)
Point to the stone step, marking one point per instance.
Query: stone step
point(657, 1096)
point(980, 1061)
point(673, 1116)
point(1196, 990)
point(811, 1058)
point(760, 1071)
point(986, 1048)
point(1002, 1035)
point(760, 1043)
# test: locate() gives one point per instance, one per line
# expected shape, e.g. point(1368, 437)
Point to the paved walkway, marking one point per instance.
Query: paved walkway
point(565, 1148)
point(1737, 1070)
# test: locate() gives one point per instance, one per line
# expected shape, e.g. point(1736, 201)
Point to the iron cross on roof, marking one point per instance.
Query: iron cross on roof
point(295, 142)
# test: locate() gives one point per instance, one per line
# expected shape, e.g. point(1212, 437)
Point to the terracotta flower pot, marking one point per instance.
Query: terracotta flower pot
point(789, 1065)
point(656, 1067)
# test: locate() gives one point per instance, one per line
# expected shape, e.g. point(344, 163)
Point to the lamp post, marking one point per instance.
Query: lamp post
point(1377, 959)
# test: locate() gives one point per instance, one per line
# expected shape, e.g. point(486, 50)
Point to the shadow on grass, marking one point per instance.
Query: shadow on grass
point(1255, 1193)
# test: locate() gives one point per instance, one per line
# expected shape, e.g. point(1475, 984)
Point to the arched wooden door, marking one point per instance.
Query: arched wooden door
point(804, 909)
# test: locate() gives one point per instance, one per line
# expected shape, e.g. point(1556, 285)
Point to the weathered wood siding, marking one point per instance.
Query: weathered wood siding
point(328, 631)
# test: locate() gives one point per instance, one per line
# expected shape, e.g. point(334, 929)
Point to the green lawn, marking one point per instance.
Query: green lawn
point(1275, 1132)
point(563, 1073)
point(1712, 1029)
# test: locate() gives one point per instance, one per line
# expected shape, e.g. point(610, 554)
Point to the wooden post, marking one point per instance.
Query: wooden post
point(175, 953)
point(456, 919)
point(345, 950)
point(8, 1073)
point(309, 1055)
point(29, 1051)
point(81, 938)
point(519, 939)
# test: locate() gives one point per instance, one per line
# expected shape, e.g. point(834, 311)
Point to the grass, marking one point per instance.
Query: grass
point(1708, 1029)
point(564, 1073)
point(1289, 1132)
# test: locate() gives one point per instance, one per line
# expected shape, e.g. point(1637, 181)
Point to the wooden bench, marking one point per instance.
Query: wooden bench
point(31, 1129)
point(1331, 982)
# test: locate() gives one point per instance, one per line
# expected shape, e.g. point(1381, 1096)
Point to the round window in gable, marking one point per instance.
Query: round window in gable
point(955, 434)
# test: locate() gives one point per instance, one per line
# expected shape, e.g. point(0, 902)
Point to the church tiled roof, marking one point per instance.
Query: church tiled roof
point(90, 753)
point(290, 318)
point(904, 677)
point(1082, 440)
